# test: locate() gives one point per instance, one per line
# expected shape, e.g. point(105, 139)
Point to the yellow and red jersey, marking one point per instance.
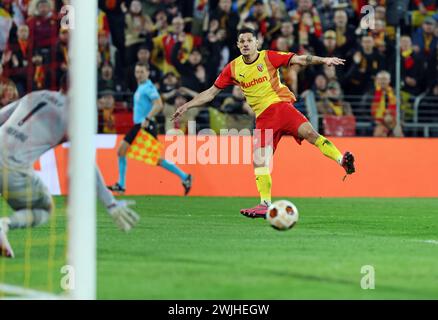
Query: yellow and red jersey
point(162, 51)
point(260, 80)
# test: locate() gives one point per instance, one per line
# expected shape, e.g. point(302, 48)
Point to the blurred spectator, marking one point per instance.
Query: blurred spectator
point(337, 116)
point(143, 56)
point(327, 9)
point(104, 48)
point(168, 86)
point(102, 23)
point(44, 74)
point(411, 67)
point(330, 73)
point(236, 103)
point(328, 46)
point(6, 22)
point(384, 108)
point(43, 31)
point(379, 32)
point(150, 7)
point(326, 13)
point(199, 13)
point(432, 66)
point(319, 87)
point(345, 33)
point(107, 79)
point(366, 62)
point(306, 20)
point(412, 74)
point(136, 32)
point(289, 75)
point(287, 33)
point(174, 8)
point(234, 113)
point(3, 79)
point(62, 54)
point(17, 59)
point(216, 49)
point(106, 105)
point(188, 69)
point(266, 24)
point(182, 123)
point(161, 22)
point(115, 12)
point(424, 9)
point(332, 102)
point(8, 93)
point(163, 45)
point(227, 21)
point(424, 39)
point(428, 108)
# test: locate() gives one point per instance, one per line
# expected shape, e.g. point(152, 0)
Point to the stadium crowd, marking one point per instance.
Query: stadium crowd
point(187, 43)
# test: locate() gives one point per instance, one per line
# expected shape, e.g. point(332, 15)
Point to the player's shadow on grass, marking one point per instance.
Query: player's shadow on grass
point(319, 279)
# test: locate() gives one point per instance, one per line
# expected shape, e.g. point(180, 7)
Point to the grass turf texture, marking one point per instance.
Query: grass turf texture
point(202, 248)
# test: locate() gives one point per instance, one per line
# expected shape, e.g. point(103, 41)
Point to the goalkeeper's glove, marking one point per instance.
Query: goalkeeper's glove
point(123, 216)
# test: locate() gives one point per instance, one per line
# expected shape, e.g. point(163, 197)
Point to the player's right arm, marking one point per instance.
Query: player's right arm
point(225, 79)
point(199, 100)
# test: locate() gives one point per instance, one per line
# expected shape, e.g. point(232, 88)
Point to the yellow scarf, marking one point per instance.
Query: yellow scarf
point(406, 53)
point(336, 108)
point(379, 104)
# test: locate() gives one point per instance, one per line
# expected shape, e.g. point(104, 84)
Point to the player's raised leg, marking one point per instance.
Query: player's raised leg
point(186, 179)
point(307, 132)
point(262, 157)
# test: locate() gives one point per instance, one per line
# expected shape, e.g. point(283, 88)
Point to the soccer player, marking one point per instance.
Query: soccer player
point(256, 72)
point(28, 128)
point(147, 104)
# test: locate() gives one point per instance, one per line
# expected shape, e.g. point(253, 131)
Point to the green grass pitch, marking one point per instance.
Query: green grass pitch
point(202, 248)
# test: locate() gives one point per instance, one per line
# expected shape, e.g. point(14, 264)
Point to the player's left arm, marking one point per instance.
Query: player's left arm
point(308, 59)
point(125, 217)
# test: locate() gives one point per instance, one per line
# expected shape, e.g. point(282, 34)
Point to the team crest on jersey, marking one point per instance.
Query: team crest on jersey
point(260, 67)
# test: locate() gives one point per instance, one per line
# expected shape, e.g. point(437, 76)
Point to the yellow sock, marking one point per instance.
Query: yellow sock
point(328, 149)
point(264, 183)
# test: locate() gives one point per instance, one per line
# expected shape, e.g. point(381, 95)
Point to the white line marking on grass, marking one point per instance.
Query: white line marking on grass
point(25, 293)
point(431, 241)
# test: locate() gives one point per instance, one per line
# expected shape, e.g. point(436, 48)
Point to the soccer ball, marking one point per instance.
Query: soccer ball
point(282, 215)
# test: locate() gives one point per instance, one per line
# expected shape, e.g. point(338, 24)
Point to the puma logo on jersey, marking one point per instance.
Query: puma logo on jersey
point(254, 82)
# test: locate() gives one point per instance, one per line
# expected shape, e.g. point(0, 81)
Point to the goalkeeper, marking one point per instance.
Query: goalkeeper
point(28, 128)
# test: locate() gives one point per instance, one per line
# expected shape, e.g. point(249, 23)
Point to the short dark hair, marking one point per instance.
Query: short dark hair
point(247, 30)
point(141, 64)
point(143, 47)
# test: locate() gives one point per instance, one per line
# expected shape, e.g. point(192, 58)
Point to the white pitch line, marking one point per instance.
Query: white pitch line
point(430, 241)
point(27, 293)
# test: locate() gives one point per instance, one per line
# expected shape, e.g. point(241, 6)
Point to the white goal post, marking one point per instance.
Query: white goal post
point(82, 126)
